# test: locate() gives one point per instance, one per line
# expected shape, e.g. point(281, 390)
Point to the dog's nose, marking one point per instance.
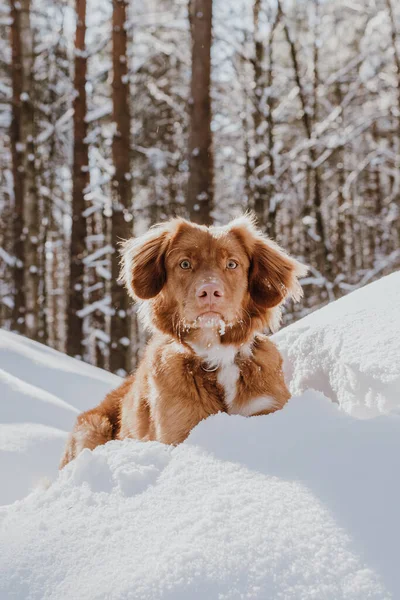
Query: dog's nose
point(210, 293)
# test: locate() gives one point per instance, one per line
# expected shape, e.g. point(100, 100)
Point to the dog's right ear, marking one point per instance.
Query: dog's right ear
point(143, 263)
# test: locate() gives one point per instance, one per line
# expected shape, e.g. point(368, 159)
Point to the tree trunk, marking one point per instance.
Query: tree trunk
point(264, 172)
point(272, 208)
point(315, 199)
point(97, 347)
point(341, 236)
point(42, 307)
point(120, 359)
point(80, 177)
point(324, 263)
point(16, 137)
point(31, 209)
point(201, 184)
point(259, 119)
point(396, 54)
point(248, 171)
point(396, 58)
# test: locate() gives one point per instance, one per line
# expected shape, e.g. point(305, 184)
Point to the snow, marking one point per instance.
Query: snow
point(103, 272)
point(349, 350)
point(102, 305)
point(8, 259)
point(99, 112)
point(41, 393)
point(101, 335)
point(298, 505)
point(97, 254)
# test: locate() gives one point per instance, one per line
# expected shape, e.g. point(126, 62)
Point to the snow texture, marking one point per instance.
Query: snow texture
point(298, 505)
point(97, 254)
point(349, 350)
point(41, 393)
point(8, 259)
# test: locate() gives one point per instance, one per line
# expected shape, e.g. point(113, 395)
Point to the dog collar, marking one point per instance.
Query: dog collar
point(209, 369)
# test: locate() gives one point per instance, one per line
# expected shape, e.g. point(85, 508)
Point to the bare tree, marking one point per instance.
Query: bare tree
point(31, 209)
point(26, 216)
point(396, 52)
point(396, 58)
point(201, 170)
point(315, 197)
point(259, 117)
point(264, 162)
point(306, 104)
point(121, 190)
point(340, 247)
point(80, 179)
point(16, 137)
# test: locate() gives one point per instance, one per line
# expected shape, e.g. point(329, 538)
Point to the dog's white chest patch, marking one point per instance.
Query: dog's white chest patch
point(223, 358)
point(228, 375)
point(153, 393)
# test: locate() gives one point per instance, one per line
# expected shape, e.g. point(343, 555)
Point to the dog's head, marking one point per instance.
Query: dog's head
point(231, 279)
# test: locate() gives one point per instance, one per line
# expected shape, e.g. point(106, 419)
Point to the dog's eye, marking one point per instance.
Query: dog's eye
point(185, 264)
point(231, 264)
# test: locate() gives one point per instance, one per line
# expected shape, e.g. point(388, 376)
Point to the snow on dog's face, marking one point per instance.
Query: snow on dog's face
point(191, 278)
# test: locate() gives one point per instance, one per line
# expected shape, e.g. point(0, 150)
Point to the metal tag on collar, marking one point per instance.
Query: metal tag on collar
point(209, 369)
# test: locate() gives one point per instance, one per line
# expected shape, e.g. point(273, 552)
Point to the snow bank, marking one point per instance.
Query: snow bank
point(41, 393)
point(348, 465)
point(298, 505)
point(270, 507)
point(349, 350)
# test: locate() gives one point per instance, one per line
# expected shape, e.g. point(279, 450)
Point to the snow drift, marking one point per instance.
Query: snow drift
point(41, 393)
point(349, 350)
point(302, 504)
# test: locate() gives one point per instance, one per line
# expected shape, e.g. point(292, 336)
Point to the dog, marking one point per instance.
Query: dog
point(208, 294)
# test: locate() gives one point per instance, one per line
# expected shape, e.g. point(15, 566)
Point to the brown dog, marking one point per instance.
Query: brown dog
point(207, 293)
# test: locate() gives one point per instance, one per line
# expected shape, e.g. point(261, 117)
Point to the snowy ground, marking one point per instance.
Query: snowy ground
point(302, 504)
point(41, 393)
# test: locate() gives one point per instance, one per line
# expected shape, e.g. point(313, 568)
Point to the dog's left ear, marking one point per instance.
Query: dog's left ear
point(273, 275)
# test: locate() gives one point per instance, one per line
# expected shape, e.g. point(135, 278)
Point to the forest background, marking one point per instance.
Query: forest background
point(117, 114)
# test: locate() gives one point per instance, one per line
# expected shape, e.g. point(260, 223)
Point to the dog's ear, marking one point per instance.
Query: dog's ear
point(143, 263)
point(273, 275)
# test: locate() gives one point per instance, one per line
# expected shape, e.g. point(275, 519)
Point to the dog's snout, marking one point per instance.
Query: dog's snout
point(210, 293)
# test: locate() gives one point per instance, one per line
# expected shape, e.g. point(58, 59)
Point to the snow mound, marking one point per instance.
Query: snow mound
point(41, 393)
point(349, 350)
point(76, 383)
point(269, 507)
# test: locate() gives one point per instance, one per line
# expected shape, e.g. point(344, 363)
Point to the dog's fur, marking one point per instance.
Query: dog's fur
point(208, 352)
